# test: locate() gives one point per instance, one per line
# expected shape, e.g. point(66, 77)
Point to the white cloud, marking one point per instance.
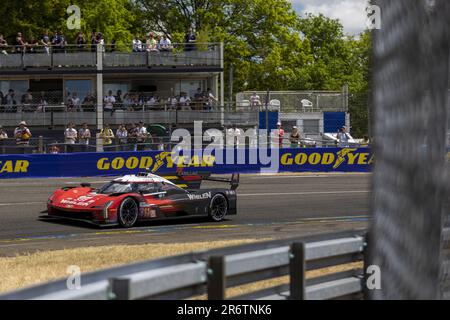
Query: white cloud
point(351, 13)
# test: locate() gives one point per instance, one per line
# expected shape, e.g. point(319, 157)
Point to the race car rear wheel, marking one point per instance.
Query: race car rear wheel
point(128, 213)
point(218, 207)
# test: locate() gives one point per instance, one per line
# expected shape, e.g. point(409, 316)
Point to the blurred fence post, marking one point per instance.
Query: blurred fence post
point(216, 278)
point(41, 144)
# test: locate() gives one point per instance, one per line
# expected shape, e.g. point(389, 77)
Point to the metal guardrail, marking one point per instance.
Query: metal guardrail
point(212, 272)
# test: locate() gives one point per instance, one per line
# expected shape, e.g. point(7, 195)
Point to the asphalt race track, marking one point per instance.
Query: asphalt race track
point(269, 206)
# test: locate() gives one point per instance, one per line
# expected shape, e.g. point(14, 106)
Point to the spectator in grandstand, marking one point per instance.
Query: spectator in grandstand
point(88, 103)
point(76, 102)
point(54, 149)
point(3, 136)
point(189, 40)
point(198, 99)
point(210, 99)
point(185, 101)
point(32, 46)
point(255, 101)
point(122, 137)
point(58, 42)
point(80, 41)
point(137, 44)
point(151, 103)
point(45, 42)
point(70, 136)
point(165, 44)
point(107, 135)
point(294, 137)
point(22, 134)
point(119, 100)
point(142, 136)
point(3, 45)
point(132, 135)
point(100, 40)
point(365, 141)
point(27, 101)
point(10, 101)
point(94, 41)
point(233, 135)
point(20, 43)
point(84, 134)
point(42, 104)
point(280, 135)
point(151, 43)
point(172, 103)
point(343, 137)
point(109, 102)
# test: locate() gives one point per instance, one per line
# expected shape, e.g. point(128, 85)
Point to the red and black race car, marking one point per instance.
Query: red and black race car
point(143, 196)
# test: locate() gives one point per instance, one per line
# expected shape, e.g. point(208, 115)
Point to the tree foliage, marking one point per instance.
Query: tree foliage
point(116, 19)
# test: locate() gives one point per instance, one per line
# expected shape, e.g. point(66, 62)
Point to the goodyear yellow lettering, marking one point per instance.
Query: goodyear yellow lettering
point(286, 159)
point(7, 167)
point(352, 157)
point(314, 158)
point(117, 163)
point(132, 163)
point(169, 162)
point(102, 164)
point(195, 161)
point(371, 160)
point(208, 161)
point(363, 158)
point(301, 159)
point(328, 158)
point(21, 166)
point(146, 162)
point(10, 166)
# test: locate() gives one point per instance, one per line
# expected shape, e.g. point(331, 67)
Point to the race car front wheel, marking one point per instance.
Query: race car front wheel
point(128, 212)
point(218, 207)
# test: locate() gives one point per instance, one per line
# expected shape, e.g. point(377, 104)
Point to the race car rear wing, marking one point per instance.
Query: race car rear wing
point(193, 180)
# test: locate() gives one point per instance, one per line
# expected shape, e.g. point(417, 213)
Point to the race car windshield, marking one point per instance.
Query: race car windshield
point(116, 187)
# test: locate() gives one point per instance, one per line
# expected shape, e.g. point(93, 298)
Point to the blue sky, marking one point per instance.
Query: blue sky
point(351, 13)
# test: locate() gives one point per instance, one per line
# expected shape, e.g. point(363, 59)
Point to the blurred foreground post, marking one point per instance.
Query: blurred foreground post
point(410, 182)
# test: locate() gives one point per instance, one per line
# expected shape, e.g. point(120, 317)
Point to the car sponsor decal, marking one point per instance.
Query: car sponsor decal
point(206, 195)
point(82, 201)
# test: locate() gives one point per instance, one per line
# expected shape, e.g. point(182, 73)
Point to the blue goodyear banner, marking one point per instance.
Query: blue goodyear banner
point(160, 162)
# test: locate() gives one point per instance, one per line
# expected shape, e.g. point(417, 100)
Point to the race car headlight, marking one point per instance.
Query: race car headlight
point(105, 209)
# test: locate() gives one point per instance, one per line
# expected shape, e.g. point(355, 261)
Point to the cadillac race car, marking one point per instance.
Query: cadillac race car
point(142, 197)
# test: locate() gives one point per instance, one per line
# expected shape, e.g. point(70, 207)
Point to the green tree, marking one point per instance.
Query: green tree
point(261, 39)
point(116, 19)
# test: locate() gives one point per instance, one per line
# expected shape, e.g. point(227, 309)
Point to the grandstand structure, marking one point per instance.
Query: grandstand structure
point(54, 76)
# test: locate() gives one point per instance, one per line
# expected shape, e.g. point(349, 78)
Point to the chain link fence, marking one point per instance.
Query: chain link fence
point(410, 182)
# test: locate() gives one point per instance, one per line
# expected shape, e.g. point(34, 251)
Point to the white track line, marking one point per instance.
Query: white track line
point(297, 193)
point(21, 203)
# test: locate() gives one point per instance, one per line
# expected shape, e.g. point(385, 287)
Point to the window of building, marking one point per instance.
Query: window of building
point(311, 126)
point(80, 87)
point(20, 87)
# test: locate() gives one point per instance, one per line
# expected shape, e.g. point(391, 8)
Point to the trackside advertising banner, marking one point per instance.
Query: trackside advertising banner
point(218, 161)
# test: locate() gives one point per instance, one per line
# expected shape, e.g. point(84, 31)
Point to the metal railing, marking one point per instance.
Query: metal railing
point(213, 272)
point(293, 101)
point(59, 115)
point(70, 56)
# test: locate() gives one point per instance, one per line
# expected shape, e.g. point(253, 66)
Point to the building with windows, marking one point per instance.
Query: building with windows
point(44, 85)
